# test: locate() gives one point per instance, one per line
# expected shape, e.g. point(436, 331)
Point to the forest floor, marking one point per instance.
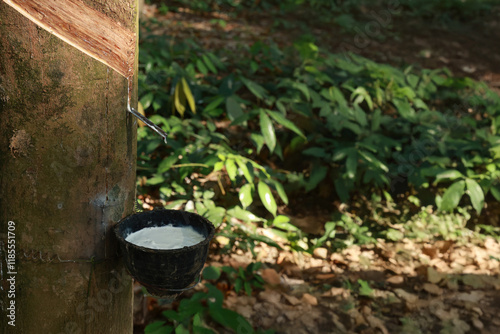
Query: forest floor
point(400, 287)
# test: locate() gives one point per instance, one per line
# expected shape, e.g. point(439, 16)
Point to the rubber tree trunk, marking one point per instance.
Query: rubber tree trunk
point(67, 175)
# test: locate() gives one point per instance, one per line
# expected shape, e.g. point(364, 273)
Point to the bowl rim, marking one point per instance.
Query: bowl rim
point(207, 240)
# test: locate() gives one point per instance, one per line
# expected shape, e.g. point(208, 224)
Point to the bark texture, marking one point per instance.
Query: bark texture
point(67, 175)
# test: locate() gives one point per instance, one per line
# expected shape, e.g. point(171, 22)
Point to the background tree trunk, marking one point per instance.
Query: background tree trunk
point(67, 175)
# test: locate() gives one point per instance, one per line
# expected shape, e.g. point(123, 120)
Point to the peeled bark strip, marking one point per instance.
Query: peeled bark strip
point(87, 29)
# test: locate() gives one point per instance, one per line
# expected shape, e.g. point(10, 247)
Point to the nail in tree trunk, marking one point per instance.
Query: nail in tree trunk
point(67, 175)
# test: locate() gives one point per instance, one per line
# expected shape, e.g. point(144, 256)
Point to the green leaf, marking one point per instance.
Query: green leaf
point(146, 100)
point(201, 67)
point(376, 118)
point(318, 173)
point(238, 284)
point(452, 196)
point(374, 161)
point(209, 64)
point(166, 163)
point(281, 191)
point(267, 129)
point(267, 197)
point(364, 288)
point(214, 104)
point(248, 288)
point(394, 235)
point(404, 108)
point(245, 195)
point(351, 163)
point(255, 88)
point(189, 95)
point(211, 273)
point(476, 194)
point(233, 108)
point(283, 222)
point(495, 191)
point(317, 152)
point(303, 88)
point(258, 140)
point(179, 99)
point(329, 233)
point(156, 179)
point(181, 330)
point(243, 215)
point(281, 119)
point(158, 327)
point(451, 174)
point(230, 319)
point(246, 171)
point(231, 168)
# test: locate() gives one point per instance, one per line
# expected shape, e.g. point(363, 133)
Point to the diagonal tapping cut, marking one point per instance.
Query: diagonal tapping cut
point(85, 28)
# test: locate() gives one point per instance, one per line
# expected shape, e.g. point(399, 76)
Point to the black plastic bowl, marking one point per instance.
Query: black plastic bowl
point(164, 272)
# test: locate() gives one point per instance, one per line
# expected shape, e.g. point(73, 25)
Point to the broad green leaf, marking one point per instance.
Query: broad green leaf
point(181, 330)
point(166, 163)
point(281, 191)
point(156, 179)
point(245, 195)
point(359, 95)
point(343, 188)
point(329, 233)
point(147, 99)
point(318, 173)
point(376, 118)
point(243, 215)
point(201, 67)
point(267, 129)
point(214, 104)
point(248, 288)
point(233, 108)
point(351, 163)
point(404, 108)
point(476, 194)
point(231, 168)
point(218, 166)
point(495, 191)
point(283, 222)
point(258, 140)
point(451, 174)
point(394, 235)
point(303, 88)
point(364, 288)
point(179, 99)
point(244, 168)
point(255, 88)
point(452, 196)
point(209, 64)
point(230, 319)
point(267, 198)
point(189, 95)
point(317, 152)
point(282, 120)
point(158, 327)
point(211, 273)
point(371, 159)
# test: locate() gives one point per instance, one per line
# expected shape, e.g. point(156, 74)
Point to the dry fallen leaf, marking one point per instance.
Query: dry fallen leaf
point(309, 299)
point(432, 289)
point(270, 276)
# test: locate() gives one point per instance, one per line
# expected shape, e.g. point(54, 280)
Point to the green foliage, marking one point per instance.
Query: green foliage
point(247, 280)
point(260, 128)
point(194, 314)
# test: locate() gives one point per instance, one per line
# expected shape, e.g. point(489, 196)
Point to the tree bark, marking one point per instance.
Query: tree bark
point(67, 175)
